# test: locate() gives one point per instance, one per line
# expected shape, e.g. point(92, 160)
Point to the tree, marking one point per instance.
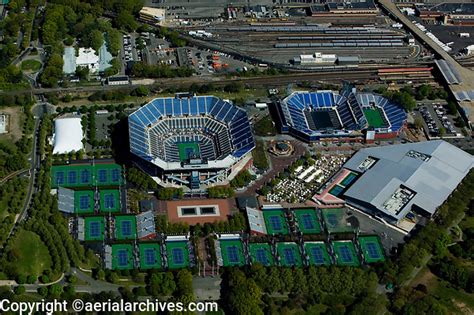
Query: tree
point(418, 122)
point(126, 21)
point(96, 40)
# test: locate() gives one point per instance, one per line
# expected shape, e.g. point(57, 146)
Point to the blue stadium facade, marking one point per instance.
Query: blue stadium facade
point(312, 116)
point(191, 140)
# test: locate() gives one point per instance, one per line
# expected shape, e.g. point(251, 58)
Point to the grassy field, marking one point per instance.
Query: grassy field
point(31, 65)
point(32, 253)
point(458, 301)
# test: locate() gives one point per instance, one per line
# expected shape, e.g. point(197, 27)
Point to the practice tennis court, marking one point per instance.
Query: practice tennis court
point(374, 118)
point(336, 190)
point(348, 179)
point(150, 256)
point(371, 249)
point(86, 175)
point(122, 257)
point(178, 254)
point(94, 228)
point(261, 253)
point(84, 201)
point(307, 220)
point(232, 253)
point(275, 222)
point(125, 227)
point(317, 253)
point(345, 253)
point(336, 220)
point(289, 255)
point(109, 200)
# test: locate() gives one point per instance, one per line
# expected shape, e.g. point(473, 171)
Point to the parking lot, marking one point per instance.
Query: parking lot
point(436, 120)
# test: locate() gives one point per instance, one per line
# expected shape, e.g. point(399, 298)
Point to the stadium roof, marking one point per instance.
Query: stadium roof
point(67, 135)
point(394, 178)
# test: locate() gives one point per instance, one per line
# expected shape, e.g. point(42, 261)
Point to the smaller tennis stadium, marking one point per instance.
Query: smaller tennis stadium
point(307, 220)
point(275, 222)
point(125, 227)
point(94, 228)
point(231, 252)
point(261, 253)
point(122, 257)
point(345, 253)
point(371, 248)
point(109, 201)
point(317, 253)
point(177, 254)
point(150, 256)
point(289, 254)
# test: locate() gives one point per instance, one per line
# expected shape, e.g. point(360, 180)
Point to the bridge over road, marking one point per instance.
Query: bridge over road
point(466, 75)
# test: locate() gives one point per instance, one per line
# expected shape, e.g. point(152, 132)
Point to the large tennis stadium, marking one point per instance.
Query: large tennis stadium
point(311, 116)
point(192, 141)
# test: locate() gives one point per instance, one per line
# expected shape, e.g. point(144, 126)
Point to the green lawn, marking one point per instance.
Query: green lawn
point(31, 65)
point(32, 254)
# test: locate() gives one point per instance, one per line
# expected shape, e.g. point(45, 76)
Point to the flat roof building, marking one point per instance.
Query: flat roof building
point(392, 181)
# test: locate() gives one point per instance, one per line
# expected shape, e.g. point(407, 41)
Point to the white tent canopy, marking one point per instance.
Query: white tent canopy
point(67, 135)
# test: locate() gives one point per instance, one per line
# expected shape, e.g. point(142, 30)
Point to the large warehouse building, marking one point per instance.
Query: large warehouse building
point(191, 141)
point(311, 116)
point(399, 181)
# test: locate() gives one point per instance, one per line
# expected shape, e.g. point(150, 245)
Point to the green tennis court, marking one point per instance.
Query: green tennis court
point(188, 150)
point(289, 255)
point(345, 253)
point(261, 253)
point(150, 256)
point(94, 228)
point(122, 256)
point(317, 253)
point(336, 190)
point(336, 220)
point(374, 117)
point(178, 254)
point(125, 227)
point(109, 200)
point(232, 253)
point(348, 179)
point(371, 249)
point(275, 222)
point(86, 175)
point(84, 201)
point(307, 220)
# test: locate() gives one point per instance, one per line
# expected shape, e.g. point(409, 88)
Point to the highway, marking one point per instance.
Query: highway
point(467, 75)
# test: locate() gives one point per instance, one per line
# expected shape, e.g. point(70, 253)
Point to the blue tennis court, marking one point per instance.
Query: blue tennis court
point(102, 174)
point(289, 256)
point(84, 202)
point(122, 256)
point(85, 176)
point(126, 228)
point(373, 251)
point(59, 178)
point(332, 219)
point(150, 257)
point(261, 256)
point(307, 221)
point(72, 177)
point(317, 254)
point(275, 222)
point(94, 229)
point(115, 175)
point(346, 254)
point(109, 201)
point(178, 256)
point(233, 254)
